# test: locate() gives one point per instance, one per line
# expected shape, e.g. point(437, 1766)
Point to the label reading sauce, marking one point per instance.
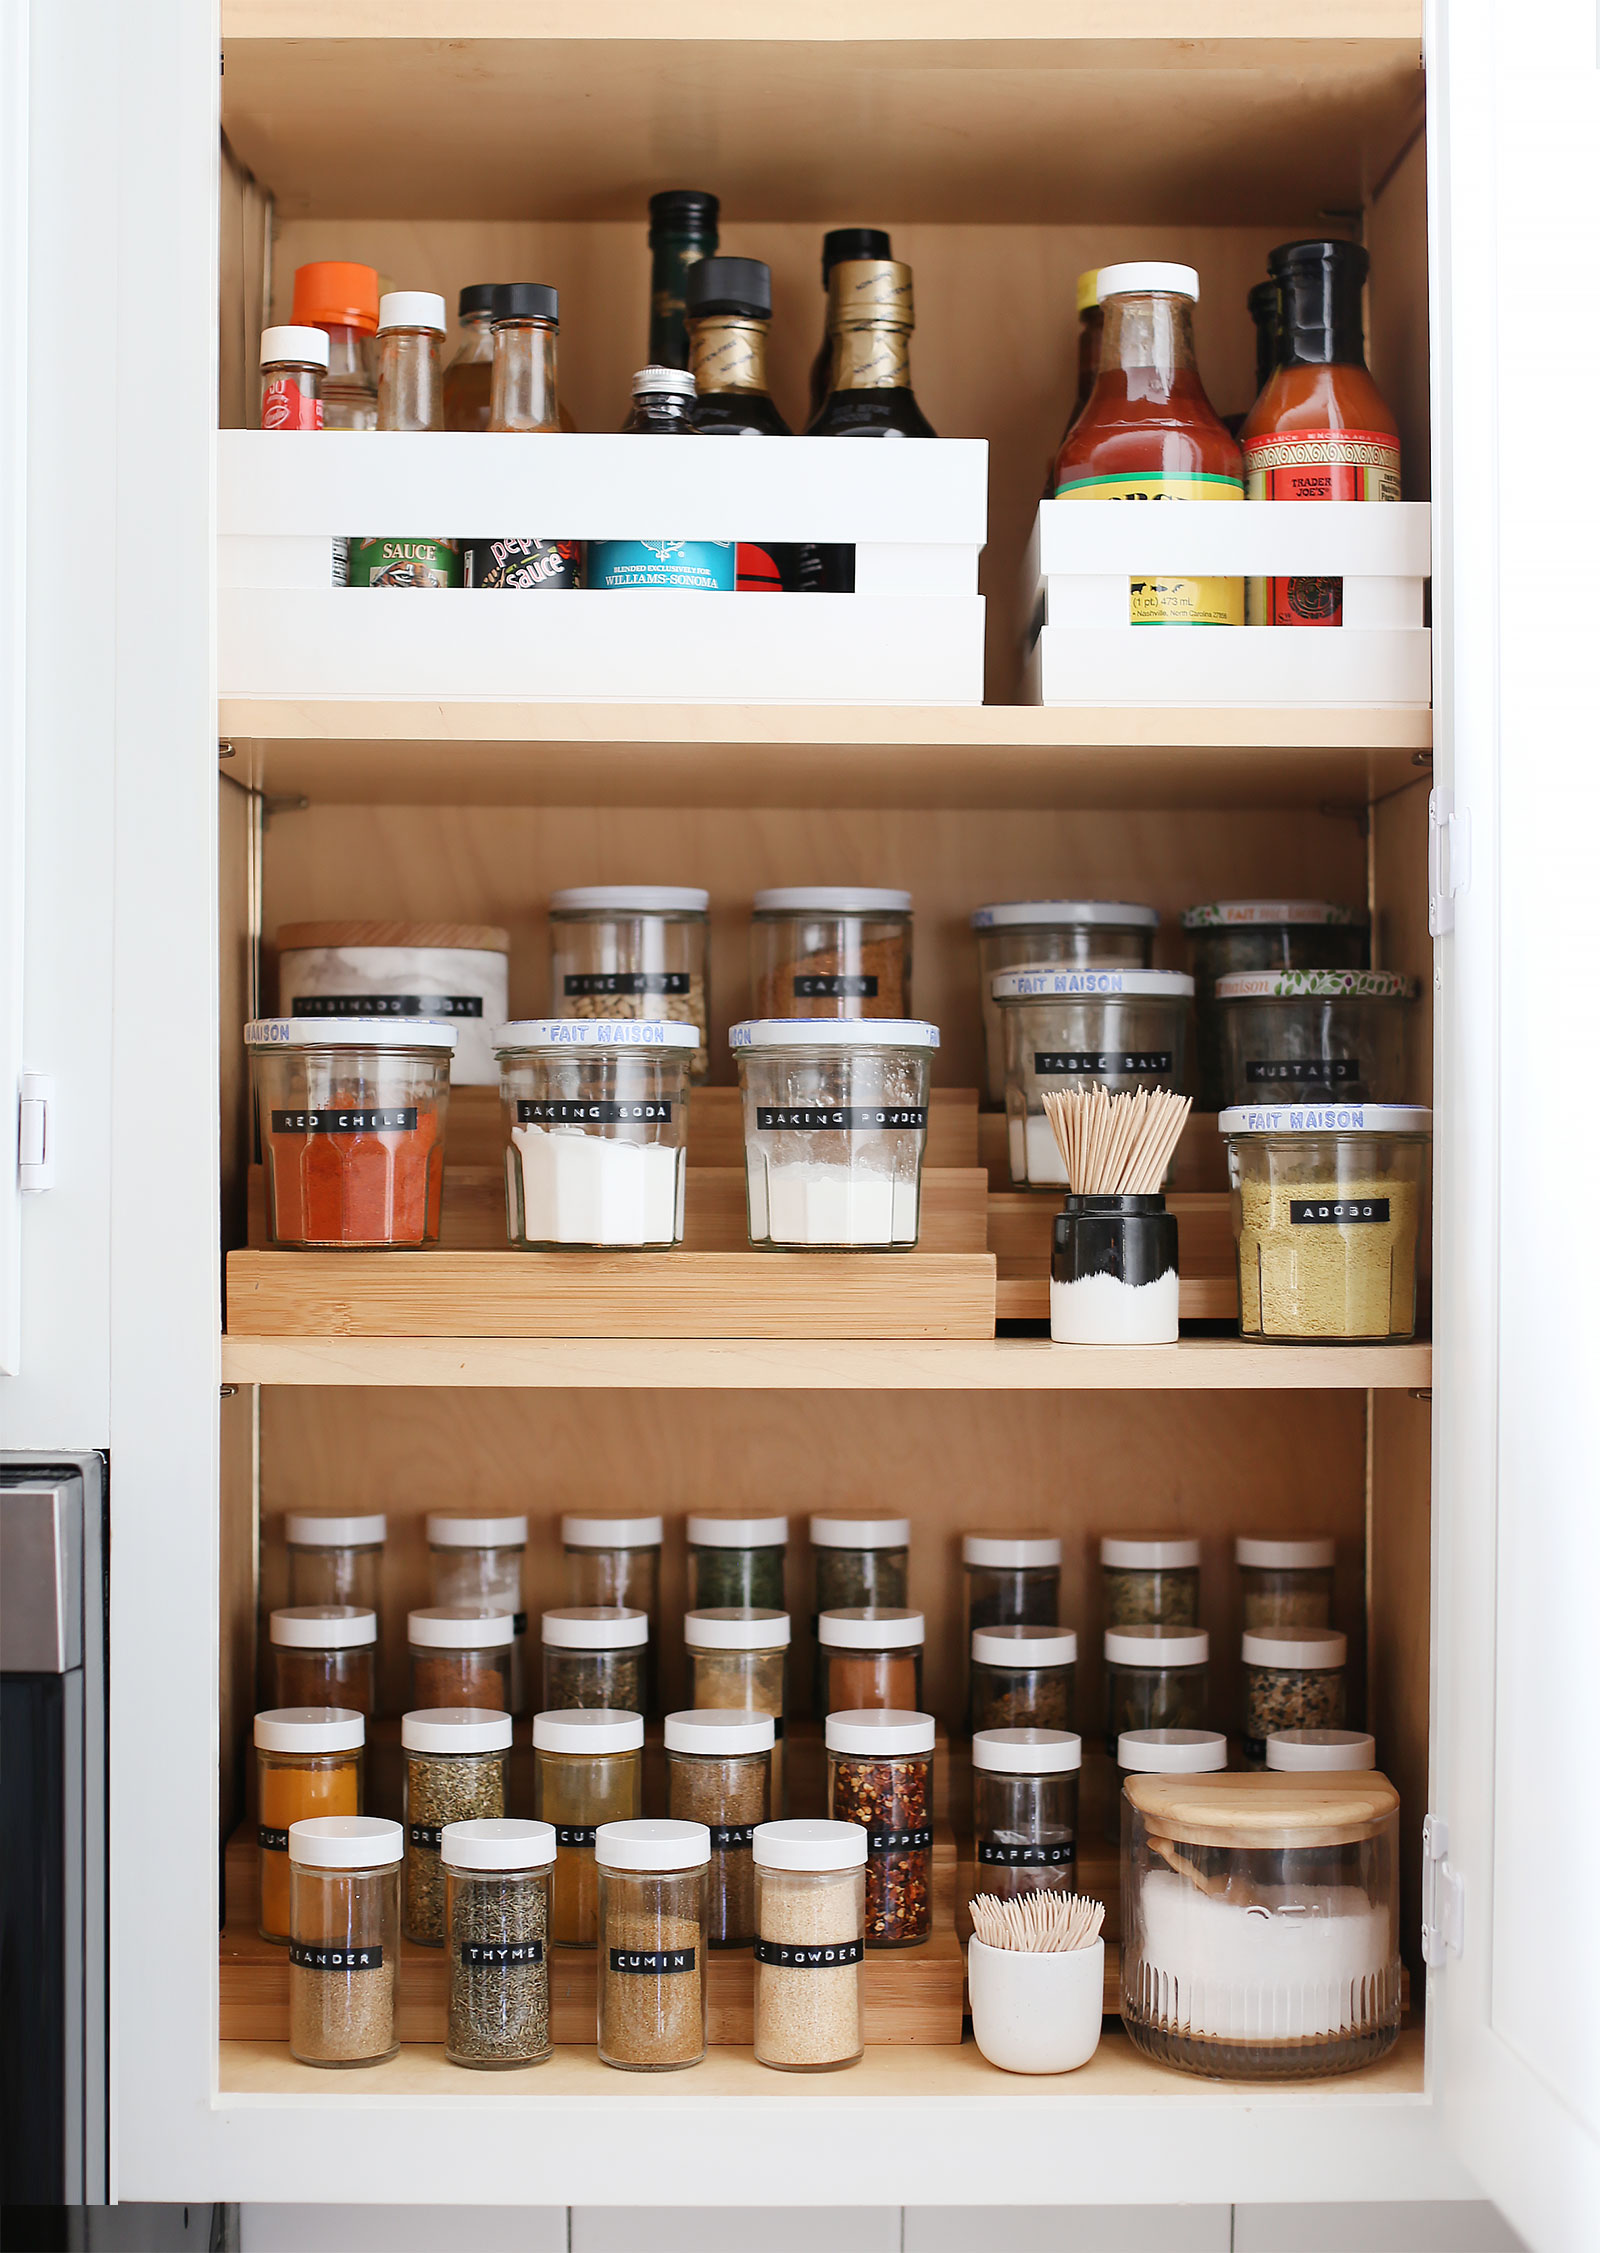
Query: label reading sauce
point(403, 563)
point(1332, 1212)
point(654, 1961)
point(397, 1120)
point(520, 563)
point(997, 1854)
point(812, 1956)
point(1315, 465)
point(386, 1005)
point(1170, 601)
point(1067, 1063)
point(560, 1111)
point(815, 1118)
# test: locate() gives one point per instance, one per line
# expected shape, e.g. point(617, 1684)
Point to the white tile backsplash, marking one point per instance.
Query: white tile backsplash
point(1470, 2226)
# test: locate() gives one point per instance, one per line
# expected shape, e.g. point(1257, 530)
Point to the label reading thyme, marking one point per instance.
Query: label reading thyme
point(1327, 1212)
point(271, 1841)
point(1068, 1063)
point(793, 1956)
point(1308, 1071)
point(554, 1111)
point(401, 1120)
point(588, 982)
point(386, 1005)
point(654, 1961)
point(844, 985)
point(810, 1118)
point(996, 1853)
point(336, 1959)
point(505, 1955)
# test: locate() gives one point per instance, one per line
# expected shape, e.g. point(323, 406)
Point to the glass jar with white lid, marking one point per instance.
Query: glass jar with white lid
point(1284, 1585)
point(1292, 1036)
point(616, 1561)
point(588, 1769)
point(831, 950)
point(597, 1124)
point(1023, 1677)
point(497, 1930)
point(344, 1939)
point(1293, 1680)
point(635, 951)
point(1226, 936)
point(480, 1561)
point(335, 1560)
point(1163, 1752)
point(1150, 1579)
point(739, 1657)
point(460, 1655)
point(1156, 1678)
point(324, 1654)
point(736, 1562)
point(835, 1126)
point(454, 973)
point(1025, 1810)
point(1122, 1030)
point(594, 1656)
point(1321, 1750)
point(872, 1658)
point(810, 1944)
point(654, 1910)
point(1049, 935)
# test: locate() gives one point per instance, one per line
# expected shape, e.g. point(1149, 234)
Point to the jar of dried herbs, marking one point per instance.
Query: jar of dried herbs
point(1024, 1677)
point(1150, 1580)
point(739, 1657)
point(1012, 1579)
point(1285, 1585)
point(479, 1561)
point(497, 1921)
point(335, 1560)
point(1291, 1682)
point(344, 1939)
point(614, 1562)
point(871, 1657)
point(587, 1770)
point(594, 1657)
point(323, 1654)
point(811, 1911)
point(736, 1562)
point(1025, 1810)
point(719, 1772)
point(1156, 1678)
point(308, 1762)
point(457, 1760)
point(460, 1655)
point(880, 1776)
point(1163, 1752)
point(651, 1975)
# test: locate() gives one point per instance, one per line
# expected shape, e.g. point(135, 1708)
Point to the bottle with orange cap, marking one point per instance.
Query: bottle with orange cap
point(341, 298)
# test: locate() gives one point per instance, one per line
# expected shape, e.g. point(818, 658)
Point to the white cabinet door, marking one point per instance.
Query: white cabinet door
point(1514, 2016)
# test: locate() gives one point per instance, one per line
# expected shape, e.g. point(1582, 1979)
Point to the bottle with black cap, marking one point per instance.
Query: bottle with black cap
point(663, 407)
point(683, 230)
point(838, 244)
point(466, 379)
point(1263, 304)
point(870, 319)
point(522, 398)
point(730, 306)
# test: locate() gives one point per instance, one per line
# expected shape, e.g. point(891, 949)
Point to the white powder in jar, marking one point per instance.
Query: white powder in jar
point(815, 1203)
point(1278, 1969)
point(581, 1188)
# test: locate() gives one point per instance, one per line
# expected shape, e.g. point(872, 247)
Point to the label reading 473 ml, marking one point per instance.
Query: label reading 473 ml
point(1170, 601)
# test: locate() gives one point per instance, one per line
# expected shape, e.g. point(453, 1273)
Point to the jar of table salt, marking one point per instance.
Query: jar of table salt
point(651, 1975)
point(1025, 1810)
point(322, 1654)
point(308, 1762)
point(1156, 1678)
point(344, 1939)
point(1284, 1585)
point(880, 1775)
point(810, 1945)
point(719, 1772)
point(457, 1762)
point(460, 1655)
point(587, 1770)
point(497, 1923)
point(739, 1658)
point(1293, 1681)
point(873, 1657)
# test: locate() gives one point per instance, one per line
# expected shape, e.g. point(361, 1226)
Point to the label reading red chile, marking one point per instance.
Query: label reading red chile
point(1067, 1063)
point(1330, 1212)
point(789, 1956)
point(894, 1842)
point(656, 1961)
point(335, 1959)
point(393, 1121)
point(811, 1118)
point(998, 1854)
point(554, 1111)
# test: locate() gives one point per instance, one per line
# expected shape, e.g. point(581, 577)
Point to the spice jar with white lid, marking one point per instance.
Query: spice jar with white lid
point(635, 951)
point(736, 1561)
point(654, 1900)
point(594, 1656)
point(480, 1561)
point(1321, 1750)
point(810, 1945)
point(597, 1122)
point(1156, 1678)
point(1292, 1036)
point(1012, 1580)
point(739, 1657)
point(1232, 935)
point(880, 1775)
point(453, 973)
point(871, 1657)
point(457, 1764)
point(855, 1560)
point(617, 1561)
point(1049, 935)
point(335, 1560)
point(1327, 1217)
point(587, 1770)
point(1118, 1029)
point(293, 364)
point(831, 950)
point(1163, 1752)
point(323, 1654)
point(1285, 1585)
point(835, 1125)
point(344, 1939)
point(1260, 1923)
point(497, 1930)
point(719, 1772)
point(1023, 1677)
point(308, 1762)
point(1291, 1681)
point(460, 1655)
point(1025, 1810)
point(1150, 1580)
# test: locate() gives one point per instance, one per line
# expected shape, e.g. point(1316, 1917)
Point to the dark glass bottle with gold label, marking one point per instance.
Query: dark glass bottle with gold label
point(870, 319)
point(838, 244)
point(730, 305)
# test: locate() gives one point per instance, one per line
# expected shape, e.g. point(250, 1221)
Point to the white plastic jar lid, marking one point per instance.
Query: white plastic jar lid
point(810, 1844)
point(1172, 1752)
point(588, 1728)
point(1157, 1646)
point(869, 1627)
point(1315, 985)
point(860, 1533)
point(1284, 1556)
point(322, 1627)
point(303, 1531)
point(1090, 985)
point(1139, 274)
point(447, 1532)
point(1024, 1646)
point(833, 1032)
point(533, 1034)
point(295, 344)
point(831, 899)
point(411, 309)
point(1017, 1549)
point(1326, 1118)
point(724, 1627)
point(594, 1627)
point(1220, 915)
point(459, 1627)
point(1314, 1649)
point(652, 1843)
point(455, 1728)
point(886, 1732)
point(715, 1729)
point(1027, 1752)
point(707, 1532)
point(1323, 1749)
point(1051, 915)
point(630, 899)
point(310, 1728)
point(612, 1533)
point(345, 1842)
point(497, 1842)
point(347, 1032)
point(1161, 1552)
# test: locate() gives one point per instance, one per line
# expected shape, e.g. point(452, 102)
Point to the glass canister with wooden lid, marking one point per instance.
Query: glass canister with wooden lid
point(450, 971)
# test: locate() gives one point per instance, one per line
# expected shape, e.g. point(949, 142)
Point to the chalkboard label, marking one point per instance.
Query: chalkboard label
point(655, 1961)
point(820, 1118)
point(727, 1838)
point(1336, 1212)
point(386, 1005)
point(271, 1841)
point(394, 1121)
point(791, 1956)
point(1302, 1071)
point(498, 1955)
point(575, 1834)
point(893, 1842)
point(848, 985)
point(335, 1959)
point(424, 1834)
point(996, 1853)
point(590, 982)
point(1072, 1063)
point(553, 1111)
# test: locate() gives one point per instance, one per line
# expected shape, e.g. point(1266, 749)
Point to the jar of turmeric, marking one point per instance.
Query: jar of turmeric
point(308, 1762)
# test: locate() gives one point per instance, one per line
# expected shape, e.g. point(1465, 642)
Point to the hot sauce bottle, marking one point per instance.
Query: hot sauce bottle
point(1320, 430)
point(1149, 433)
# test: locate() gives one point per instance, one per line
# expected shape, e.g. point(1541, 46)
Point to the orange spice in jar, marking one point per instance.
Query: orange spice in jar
point(831, 950)
point(873, 1659)
point(460, 1655)
point(323, 1654)
point(308, 1762)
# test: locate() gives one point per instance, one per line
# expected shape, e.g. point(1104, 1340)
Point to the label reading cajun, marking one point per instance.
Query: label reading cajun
point(1066, 1063)
point(847, 985)
point(626, 982)
point(895, 1842)
point(425, 1835)
point(729, 1838)
point(498, 1955)
point(308, 1958)
point(400, 1119)
point(403, 563)
point(655, 1961)
point(520, 563)
point(575, 1834)
point(272, 1841)
point(553, 1110)
point(1166, 601)
point(812, 1118)
point(386, 1005)
point(1303, 1071)
point(824, 1956)
point(284, 406)
point(1330, 1212)
point(997, 1854)
point(1315, 465)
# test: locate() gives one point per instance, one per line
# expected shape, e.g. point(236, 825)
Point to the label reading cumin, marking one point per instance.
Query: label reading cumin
point(309, 1958)
point(272, 1841)
point(794, 1956)
point(575, 1834)
point(654, 1961)
point(997, 1854)
point(1067, 1063)
point(811, 1118)
point(1329, 1212)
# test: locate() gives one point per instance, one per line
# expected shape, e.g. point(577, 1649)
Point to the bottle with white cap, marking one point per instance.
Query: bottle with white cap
point(344, 1939)
point(663, 407)
point(587, 1770)
point(411, 328)
point(293, 364)
point(480, 1561)
point(654, 1898)
point(1149, 433)
point(614, 1559)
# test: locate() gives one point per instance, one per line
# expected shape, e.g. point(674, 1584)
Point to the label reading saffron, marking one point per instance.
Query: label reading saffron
point(998, 1854)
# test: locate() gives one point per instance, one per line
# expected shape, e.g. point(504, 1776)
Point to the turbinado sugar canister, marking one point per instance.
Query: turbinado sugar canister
point(344, 1939)
point(596, 1117)
point(497, 1933)
point(452, 972)
point(810, 1945)
point(651, 1974)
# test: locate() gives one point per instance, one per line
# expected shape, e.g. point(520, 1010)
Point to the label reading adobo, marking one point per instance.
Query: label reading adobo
point(816, 1956)
point(560, 1111)
point(1302, 1071)
point(1331, 1212)
point(396, 1120)
point(579, 983)
point(845, 985)
point(1163, 600)
point(732, 1838)
point(654, 1961)
point(272, 1841)
point(895, 1842)
point(310, 1958)
point(425, 1835)
point(386, 1005)
point(822, 1118)
point(498, 1955)
point(998, 1854)
point(575, 1834)
point(1069, 1063)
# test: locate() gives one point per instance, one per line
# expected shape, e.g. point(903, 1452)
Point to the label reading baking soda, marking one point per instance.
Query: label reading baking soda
point(1167, 601)
point(1332, 1212)
point(554, 1111)
point(1314, 465)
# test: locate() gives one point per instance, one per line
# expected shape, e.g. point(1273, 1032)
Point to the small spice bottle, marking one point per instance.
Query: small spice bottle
point(654, 1883)
point(1150, 1580)
point(1025, 1809)
point(617, 1561)
point(335, 1560)
point(344, 1939)
point(736, 1562)
point(594, 1655)
point(322, 1654)
point(1285, 1585)
point(293, 364)
point(457, 1762)
point(739, 1658)
point(880, 1775)
point(588, 1769)
point(811, 1908)
point(1024, 1677)
point(497, 1918)
point(1156, 1678)
point(1163, 1752)
point(719, 1772)
point(1325, 1750)
point(855, 1560)
point(1291, 1682)
point(308, 1762)
point(479, 1561)
point(460, 1655)
point(873, 1658)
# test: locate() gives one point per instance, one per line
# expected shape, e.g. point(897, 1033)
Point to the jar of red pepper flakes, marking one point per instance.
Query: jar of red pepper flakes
point(351, 1118)
point(880, 1776)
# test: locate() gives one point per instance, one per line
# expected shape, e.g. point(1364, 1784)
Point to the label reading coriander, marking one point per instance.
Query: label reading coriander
point(1067, 1063)
point(400, 1120)
point(271, 1841)
point(1329, 1212)
point(893, 1842)
point(845, 985)
point(791, 1956)
point(386, 1005)
point(425, 1834)
point(557, 1111)
point(498, 1955)
point(732, 1837)
point(589, 982)
point(655, 1961)
point(820, 1118)
point(575, 1834)
point(335, 1959)
point(1307, 1071)
point(996, 1853)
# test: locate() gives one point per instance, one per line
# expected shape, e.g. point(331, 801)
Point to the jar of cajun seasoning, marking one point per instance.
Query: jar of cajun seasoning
point(351, 1115)
point(880, 1775)
point(831, 950)
point(322, 1654)
point(460, 1655)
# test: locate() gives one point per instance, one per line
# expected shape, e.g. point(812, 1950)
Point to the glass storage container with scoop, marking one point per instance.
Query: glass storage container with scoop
point(1297, 1036)
point(1051, 935)
point(1117, 1029)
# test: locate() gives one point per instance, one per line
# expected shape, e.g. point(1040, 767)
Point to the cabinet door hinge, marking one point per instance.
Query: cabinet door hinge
point(1443, 1895)
point(36, 1150)
point(1449, 859)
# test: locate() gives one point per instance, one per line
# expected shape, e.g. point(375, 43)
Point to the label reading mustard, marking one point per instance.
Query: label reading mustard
point(1163, 601)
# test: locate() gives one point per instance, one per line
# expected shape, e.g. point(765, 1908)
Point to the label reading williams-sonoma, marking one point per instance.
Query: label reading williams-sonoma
point(557, 1111)
point(1302, 1071)
point(998, 1854)
point(401, 1120)
point(386, 1005)
point(655, 1961)
point(272, 1841)
point(894, 1842)
point(335, 1959)
point(1067, 1063)
point(813, 1118)
point(843, 985)
point(498, 1955)
point(1329, 1212)
point(816, 1957)
point(578, 982)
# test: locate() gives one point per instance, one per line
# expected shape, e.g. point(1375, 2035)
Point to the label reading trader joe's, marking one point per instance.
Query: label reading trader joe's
point(393, 1121)
point(815, 1956)
point(272, 1841)
point(1302, 1071)
point(498, 1955)
point(556, 1111)
point(998, 1853)
point(653, 1960)
point(1068, 1063)
point(425, 1834)
point(895, 1842)
point(582, 982)
point(308, 1958)
point(1329, 1212)
point(815, 1118)
point(844, 985)
point(386, 1005)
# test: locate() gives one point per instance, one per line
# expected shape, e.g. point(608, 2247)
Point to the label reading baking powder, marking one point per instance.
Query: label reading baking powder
point(814, 1118)
point(789, 1956)
point(1328, 1212)
point(575, 1834)
point(555, 1111)
point(847, 985)
point(998, 1854)
point(653, 1960)
point(732, 1838)
point(271, 1841)
point(1067, 1063)
point(1303, 1071)
point(425, 1834)
point(335, 1959)
point(399, 1120)
point(589, 982)
point(894, 1842)
point(386, 1005)
point(498, 1955)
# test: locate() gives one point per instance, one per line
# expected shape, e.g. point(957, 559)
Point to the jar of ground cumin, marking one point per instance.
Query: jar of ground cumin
point(651, 1973)
point(831, 950)
point(460, 1655)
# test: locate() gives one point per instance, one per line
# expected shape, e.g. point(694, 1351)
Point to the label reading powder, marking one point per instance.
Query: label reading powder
point(1328, 1212)
point(579, 982)
point(848, 985)
point(829, 1956)
point(386, 1005)
point(397, 1121)
point(554, 1111)
point(997, 1854)
point(1067, 1063)
point(1308, 1071)
point(335, 1959)
point(813, 1118)
point(653, 1960)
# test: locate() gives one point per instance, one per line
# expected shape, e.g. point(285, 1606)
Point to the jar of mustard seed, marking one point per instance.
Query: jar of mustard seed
point(1292, 1681)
